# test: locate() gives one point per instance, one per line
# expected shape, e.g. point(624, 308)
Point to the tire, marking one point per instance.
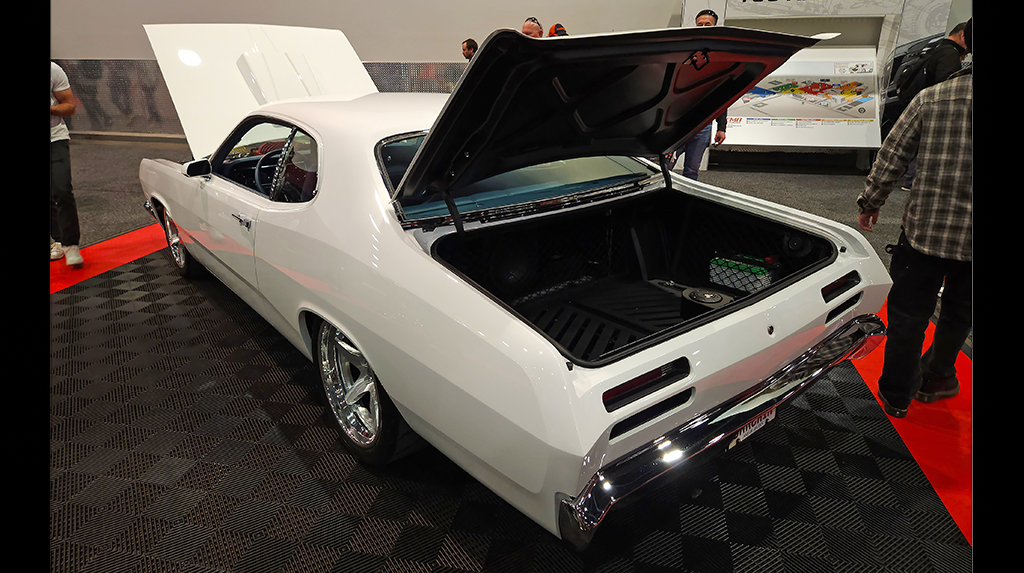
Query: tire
point(183, 261)
point(371, 427)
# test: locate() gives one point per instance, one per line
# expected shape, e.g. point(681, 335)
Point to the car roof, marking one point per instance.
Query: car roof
point(367, 119)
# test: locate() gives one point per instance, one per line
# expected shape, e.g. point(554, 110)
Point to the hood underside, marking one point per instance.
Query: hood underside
point(524, 101)
point(218, 73)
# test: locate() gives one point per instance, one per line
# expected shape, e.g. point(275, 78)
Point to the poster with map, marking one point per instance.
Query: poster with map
point(821, 98)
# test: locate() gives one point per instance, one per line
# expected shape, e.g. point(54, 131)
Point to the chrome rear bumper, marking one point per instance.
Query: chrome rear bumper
point(714, 430)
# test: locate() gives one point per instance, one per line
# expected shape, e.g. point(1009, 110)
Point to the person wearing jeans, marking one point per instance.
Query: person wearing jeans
point(694, 148)
point(693, 152)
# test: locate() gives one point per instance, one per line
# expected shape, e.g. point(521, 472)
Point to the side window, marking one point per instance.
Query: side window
point(395, 157)
point(297, 177)
point(251, 156)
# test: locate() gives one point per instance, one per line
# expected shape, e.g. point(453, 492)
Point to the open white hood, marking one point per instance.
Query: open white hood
point(218, 73)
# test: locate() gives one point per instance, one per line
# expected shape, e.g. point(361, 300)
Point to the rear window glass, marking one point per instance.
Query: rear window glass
point(537, 182)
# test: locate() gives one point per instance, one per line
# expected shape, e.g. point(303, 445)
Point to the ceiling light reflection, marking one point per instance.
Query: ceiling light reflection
point(672, 456)
point(189, 58)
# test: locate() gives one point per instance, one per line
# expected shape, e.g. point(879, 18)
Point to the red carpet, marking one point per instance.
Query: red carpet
point(107, 255)
point(939, 435)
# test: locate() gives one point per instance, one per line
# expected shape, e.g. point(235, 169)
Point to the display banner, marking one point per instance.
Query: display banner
point(831, 95)
point(747, 8)
point(819, 98)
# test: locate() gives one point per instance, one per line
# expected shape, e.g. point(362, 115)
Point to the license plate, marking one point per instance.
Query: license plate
point(752, 426)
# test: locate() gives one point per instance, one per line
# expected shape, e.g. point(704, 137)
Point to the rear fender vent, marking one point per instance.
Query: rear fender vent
point(644, 416)
point(842, 308)
point(645, 384)
point(836, 289)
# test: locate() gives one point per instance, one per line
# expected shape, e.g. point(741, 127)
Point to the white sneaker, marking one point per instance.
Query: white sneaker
point(56, 251)
point(72, 257)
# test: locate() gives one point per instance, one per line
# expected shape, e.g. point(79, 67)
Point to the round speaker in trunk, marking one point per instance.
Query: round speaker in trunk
point(705, 296)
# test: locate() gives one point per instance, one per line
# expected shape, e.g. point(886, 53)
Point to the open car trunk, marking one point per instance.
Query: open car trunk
point(607, 281)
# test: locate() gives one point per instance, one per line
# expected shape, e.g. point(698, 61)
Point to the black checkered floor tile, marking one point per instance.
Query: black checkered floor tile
point(187, 436)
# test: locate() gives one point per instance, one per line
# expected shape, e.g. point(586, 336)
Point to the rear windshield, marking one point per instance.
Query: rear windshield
point(537, 182)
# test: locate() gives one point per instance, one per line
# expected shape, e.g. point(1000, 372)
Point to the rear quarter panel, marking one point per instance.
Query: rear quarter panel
point(482, 386)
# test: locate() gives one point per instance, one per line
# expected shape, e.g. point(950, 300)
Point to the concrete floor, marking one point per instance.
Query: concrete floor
point(105, 176)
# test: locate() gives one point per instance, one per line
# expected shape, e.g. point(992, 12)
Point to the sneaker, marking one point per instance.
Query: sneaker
point(890, 409)
point(56, 251)
point(934, 388)
point(72, 256)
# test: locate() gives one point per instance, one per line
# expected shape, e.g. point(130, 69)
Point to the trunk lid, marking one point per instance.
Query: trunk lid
point(524, 101)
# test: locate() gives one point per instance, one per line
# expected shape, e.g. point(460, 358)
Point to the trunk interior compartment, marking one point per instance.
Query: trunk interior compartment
point(604, 282)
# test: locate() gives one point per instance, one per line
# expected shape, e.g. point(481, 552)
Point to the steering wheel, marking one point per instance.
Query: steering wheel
point(265, 162)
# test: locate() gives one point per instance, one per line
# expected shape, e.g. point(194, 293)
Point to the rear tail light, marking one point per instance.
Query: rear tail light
point(645, 384)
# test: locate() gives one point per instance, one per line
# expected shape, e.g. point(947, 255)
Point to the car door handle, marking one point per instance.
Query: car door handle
point(243, 221)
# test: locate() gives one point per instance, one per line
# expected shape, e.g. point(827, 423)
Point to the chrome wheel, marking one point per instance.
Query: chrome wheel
point(351, 387)
point(174, 243)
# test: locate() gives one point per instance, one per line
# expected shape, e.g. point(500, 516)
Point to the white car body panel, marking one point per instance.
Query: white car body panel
point(468, 375)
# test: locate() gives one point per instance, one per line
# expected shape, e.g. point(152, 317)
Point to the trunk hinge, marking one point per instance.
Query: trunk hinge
point(665, 171)
point(450, 202)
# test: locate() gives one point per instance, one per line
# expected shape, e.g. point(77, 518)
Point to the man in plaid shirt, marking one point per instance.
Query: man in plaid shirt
point(934, 250)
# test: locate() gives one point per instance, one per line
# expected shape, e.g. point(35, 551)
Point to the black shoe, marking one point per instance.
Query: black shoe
point(890, 409)
point(934, 388)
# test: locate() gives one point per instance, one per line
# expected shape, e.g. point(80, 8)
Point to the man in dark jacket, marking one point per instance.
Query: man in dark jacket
point(943, 61)
point(946, 58)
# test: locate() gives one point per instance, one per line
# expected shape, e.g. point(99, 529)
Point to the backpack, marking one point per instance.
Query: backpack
point(912, 77)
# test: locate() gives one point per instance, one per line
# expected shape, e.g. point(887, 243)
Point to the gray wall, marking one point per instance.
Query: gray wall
point(407, 45)
point(379, 30)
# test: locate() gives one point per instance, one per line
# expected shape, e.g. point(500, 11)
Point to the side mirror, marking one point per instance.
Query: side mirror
point(197, 167)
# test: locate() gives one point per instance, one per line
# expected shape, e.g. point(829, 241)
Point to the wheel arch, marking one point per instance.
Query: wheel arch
point(310, 320)
point(401, 440)
point(158, 208)
point(309, 326)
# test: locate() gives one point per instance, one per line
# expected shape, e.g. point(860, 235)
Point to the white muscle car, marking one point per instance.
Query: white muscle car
point(511, 272)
